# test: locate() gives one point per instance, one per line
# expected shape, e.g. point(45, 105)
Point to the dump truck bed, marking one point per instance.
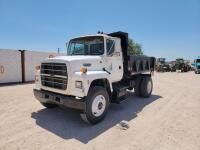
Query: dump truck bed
point(133, 64)
point(139, 64)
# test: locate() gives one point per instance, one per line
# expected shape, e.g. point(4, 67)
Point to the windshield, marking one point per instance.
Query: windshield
point(92, 45)
point(180, 60)
point(198, 61)
point(161, 59)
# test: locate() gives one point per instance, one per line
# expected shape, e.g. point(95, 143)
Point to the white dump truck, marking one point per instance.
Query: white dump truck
point(96, 71)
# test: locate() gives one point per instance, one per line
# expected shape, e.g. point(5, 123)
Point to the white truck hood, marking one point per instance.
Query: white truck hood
point(92, 63)
point(75, 58)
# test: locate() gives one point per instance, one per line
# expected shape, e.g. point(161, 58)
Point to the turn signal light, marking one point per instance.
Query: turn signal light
point(83, 70)
point(37, 67)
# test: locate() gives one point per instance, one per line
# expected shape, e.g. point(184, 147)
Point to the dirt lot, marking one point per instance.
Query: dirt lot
point(169, 120)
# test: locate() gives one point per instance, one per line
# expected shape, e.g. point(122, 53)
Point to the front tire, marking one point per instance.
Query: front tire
point(146, 87)
point(97, 103)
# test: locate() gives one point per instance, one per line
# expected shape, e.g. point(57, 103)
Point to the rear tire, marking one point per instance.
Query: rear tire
point(49, 105)
point(137, 86)
point(130, 88)
point(146, 87)
point(97, 103)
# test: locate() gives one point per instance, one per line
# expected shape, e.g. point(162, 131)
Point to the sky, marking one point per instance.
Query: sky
point(164, 28)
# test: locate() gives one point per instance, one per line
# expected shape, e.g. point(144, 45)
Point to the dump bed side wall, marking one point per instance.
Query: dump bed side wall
point(139, 64)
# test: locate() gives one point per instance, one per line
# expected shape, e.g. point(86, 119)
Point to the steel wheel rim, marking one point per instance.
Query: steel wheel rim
point(98, 105)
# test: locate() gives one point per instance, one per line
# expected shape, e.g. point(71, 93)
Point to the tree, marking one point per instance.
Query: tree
point(134, 48)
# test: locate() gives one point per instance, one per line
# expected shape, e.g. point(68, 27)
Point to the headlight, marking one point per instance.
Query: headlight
point(79, 84)
point(36, 78)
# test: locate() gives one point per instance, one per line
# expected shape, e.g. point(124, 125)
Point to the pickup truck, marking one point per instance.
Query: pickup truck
point(197, 65)
point(97, 71)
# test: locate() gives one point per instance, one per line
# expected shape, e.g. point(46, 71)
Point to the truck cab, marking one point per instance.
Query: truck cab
point(96, 72)
point(162, 66)
point(197, 65)
point(181, 65)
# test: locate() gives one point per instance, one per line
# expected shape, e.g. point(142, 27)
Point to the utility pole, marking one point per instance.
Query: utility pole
point(58, 50)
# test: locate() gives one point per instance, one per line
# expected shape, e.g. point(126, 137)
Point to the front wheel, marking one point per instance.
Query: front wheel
point(97, 103)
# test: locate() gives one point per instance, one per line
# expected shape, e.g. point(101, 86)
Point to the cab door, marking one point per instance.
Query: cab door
point(114, 61)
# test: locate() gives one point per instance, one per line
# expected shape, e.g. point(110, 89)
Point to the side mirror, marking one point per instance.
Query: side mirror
point(66, 47)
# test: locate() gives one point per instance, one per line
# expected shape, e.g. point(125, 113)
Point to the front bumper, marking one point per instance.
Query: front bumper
point(197, 70)
point(51, 97)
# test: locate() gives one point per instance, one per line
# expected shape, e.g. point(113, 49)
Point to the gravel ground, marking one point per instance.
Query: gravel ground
point(170, 119)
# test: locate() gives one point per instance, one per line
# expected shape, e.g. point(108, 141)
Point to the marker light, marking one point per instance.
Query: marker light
point(37, 67)
point(83, 70)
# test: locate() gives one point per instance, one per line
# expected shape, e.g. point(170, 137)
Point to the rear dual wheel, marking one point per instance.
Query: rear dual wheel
point(138, 86)
point(143, 86)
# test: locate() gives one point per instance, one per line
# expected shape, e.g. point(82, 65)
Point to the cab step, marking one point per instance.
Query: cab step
point(119, 93)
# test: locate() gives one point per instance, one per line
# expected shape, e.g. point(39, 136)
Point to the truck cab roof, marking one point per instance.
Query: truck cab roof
point(91, 35)
point(123, 36)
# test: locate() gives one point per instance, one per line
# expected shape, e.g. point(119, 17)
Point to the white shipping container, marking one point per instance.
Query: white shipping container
point(10, 66)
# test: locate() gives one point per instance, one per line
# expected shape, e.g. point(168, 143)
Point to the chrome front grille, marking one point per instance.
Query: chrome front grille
point(54, 68)
point(54, 75)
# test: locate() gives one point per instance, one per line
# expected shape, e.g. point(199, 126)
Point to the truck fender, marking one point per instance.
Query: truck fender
point(102, 82)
